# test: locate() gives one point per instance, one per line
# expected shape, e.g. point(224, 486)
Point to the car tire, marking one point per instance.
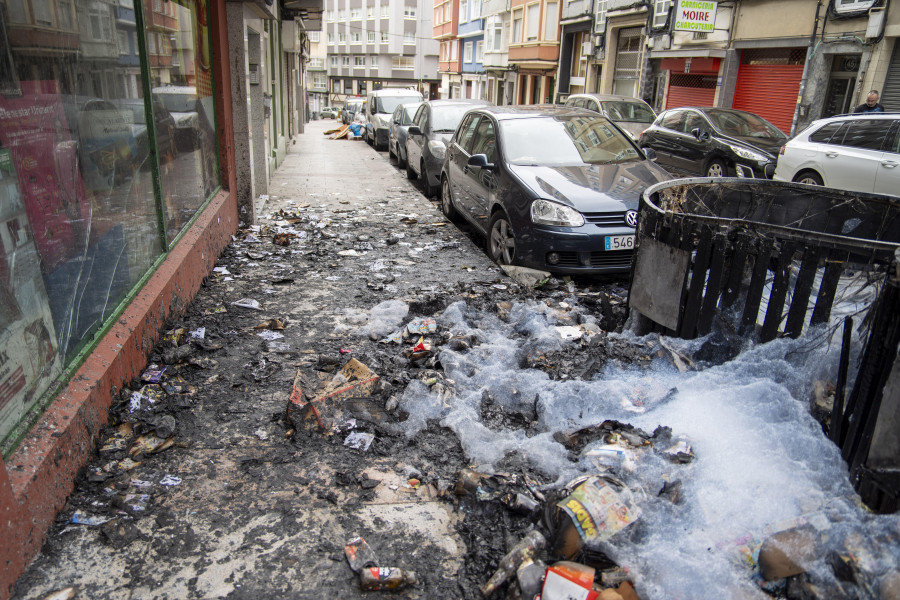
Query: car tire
point(716, 168)
point(410, 174)
point(447, 200)
point(809, 178)
point(401, 160)
point(427, 188)
point(370, 141)
point(501, 240)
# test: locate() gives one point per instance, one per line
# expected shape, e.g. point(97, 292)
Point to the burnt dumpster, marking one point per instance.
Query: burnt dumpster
point(765, 259)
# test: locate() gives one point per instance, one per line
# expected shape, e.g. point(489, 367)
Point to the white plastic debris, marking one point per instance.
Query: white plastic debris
point(269, 335)
point(247, 303)
point(359, 440)
point(170, 480)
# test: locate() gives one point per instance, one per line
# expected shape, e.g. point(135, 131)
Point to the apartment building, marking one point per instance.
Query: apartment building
point(534, 49)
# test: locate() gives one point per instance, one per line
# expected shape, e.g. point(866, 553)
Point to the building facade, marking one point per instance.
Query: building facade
point(534, 49)
point(373, 45)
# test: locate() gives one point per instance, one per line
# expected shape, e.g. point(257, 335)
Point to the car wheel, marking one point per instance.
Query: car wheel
point(369, 140)
point(410, 174)
point(809, 178)
point(447, 200)
point(501, 242)
point(716, 168)
point(427, 189)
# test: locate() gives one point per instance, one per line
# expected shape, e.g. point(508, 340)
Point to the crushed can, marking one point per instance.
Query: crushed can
point(360, 555)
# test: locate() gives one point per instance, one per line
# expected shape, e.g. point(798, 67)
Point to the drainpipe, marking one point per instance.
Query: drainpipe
point(803, 78)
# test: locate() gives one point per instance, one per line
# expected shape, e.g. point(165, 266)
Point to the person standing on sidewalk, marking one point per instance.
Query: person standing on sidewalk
point(871, 105)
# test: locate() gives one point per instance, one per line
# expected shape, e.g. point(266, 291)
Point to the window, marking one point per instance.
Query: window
point(355, 37)
point(475, 10)
point(463, 11)
point(497, 34)
point(823, 135)
point(331, 16)
point(374, 60)
point(370, 37)
point(319, 80)
point(479, 51)
point(661, 12)
point(467, 52)
point(454, 50)
point(355, 14)
point(600, 15)
point(17, 12)
point(466, 131)
point(370, 12)
point(123, 42)
point(409, 37)
point(331, 39)
point(846, 6)
point(384, 37)
point(314, 36)
point(336, 86)
point(333, 60)
point(533, 22)
point(42, 15)
point(868, 134)
point(674, 120)
point(342, 14)
point(101, 22)
point(516, 27)
point(404, 63)
point(316, 63)
point(551, 21)
point(345, 61)
point(359, 61)
point(409, 12)
point(342, 38)
point(385, 11)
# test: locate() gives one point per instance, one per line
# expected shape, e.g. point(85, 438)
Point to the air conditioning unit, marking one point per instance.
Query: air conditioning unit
point(876, 23)
point(651, 41)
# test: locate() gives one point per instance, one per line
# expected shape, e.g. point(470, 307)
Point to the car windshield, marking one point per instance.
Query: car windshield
point(136, 111)
point(387, 104)
point(179, 102)
point(564, 141)
point(445, 118)
point(629, 112)
point(743, 124)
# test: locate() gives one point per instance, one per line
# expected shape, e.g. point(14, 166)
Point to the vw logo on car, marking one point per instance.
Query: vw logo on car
point(631, 218)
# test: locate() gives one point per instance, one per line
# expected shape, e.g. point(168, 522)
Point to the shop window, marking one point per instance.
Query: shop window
point(100, 171)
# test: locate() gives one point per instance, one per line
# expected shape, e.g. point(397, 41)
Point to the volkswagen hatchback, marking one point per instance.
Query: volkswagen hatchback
point(551, 188)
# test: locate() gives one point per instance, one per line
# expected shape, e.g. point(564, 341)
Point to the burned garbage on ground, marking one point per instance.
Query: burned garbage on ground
point(357, 402)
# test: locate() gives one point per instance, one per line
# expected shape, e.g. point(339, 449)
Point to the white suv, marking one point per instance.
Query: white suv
point(859, 152)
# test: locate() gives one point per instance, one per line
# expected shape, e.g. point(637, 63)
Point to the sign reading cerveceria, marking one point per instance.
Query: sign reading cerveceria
point(695, 15)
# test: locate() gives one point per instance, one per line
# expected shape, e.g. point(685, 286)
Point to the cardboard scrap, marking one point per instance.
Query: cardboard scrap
point(323, 411)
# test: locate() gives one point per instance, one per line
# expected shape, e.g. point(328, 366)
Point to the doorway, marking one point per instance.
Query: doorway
point(841, 85)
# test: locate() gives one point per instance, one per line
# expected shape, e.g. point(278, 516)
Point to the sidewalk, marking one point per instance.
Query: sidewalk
point(248, 512)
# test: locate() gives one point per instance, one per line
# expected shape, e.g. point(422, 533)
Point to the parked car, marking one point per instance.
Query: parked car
point(860, 153)
point(631, 114)
point(552, 188)
point(134, 111)
point(426, 145)
point(400, 122)
point(351, 107)
point(329, 112)
point(182, 103)
point(379, 107)
point(715, 142)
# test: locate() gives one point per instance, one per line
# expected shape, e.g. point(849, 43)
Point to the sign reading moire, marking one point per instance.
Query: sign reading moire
point(695, 15)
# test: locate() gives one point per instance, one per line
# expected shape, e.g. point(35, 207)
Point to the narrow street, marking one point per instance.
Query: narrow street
point(218, 477)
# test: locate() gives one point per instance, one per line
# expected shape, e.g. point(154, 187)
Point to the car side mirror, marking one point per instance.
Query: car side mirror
point(650, 153)
point(480, 161)
point(414, 130)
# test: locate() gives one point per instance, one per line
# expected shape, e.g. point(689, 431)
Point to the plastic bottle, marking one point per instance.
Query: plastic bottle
point(527, 548)
point(386, 578)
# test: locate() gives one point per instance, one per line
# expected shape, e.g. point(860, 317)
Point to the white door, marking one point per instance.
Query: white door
point(887, 179)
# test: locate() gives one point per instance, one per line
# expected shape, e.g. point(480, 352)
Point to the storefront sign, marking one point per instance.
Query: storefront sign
point(695, 15)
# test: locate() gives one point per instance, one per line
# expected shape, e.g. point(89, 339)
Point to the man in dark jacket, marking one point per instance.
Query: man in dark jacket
point(871, 105)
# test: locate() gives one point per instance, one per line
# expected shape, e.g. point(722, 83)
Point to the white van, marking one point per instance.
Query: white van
point(380, 105)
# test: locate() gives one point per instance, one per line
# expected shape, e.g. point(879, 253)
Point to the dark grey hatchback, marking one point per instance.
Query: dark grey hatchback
point(551, 188)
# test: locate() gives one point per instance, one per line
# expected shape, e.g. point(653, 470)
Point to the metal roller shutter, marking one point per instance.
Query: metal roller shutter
point(890, 95)
point(768, 83)
point(686, 89)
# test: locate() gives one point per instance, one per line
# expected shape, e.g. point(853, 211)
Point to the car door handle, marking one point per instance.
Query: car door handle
point(890, 164)
point(831, 154)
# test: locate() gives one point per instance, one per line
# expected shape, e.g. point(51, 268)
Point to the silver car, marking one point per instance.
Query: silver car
point(632, 115)
point(400, 122)
point(428, 136)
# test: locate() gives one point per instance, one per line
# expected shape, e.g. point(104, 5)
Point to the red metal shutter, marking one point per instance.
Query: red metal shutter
point(687, 89)
point(768, 83)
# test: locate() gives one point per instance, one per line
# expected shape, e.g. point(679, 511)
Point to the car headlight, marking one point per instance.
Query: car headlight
point(544, 212)
point(749, 154)
point(437, 149)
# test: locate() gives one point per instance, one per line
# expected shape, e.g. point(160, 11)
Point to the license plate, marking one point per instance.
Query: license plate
point(619, 242)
